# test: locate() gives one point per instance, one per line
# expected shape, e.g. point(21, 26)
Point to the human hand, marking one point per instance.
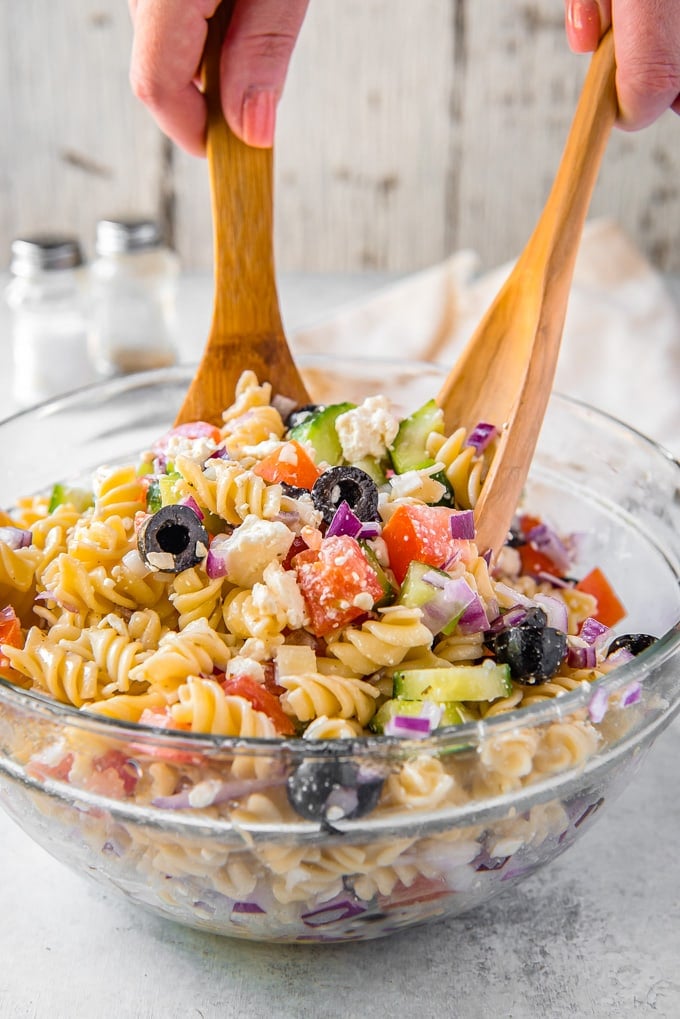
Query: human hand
point(647, 47)
point(169, 37)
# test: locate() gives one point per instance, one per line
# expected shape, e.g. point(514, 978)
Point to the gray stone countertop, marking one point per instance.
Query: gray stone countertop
point(597, 933)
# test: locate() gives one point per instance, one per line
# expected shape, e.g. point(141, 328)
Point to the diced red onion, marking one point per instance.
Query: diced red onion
point(370, 529)
point(193, 505)
point(216, 563)
point(555, 610)
point(631, 695)
point(345, 521)
point(581, 657)
point(512, 617)
point(592, 631)
point(408, 725)
point(546, 540)
point(160, 464)
point(339, 908)
point(450, 601)
point(617, 658)
point(552, 579)
point(481, 435)
point(597, 708)
point(474, 617)
point(223, 792)
point(247, 907)
point(509, 592)
point(15, 537)
point(463, 525)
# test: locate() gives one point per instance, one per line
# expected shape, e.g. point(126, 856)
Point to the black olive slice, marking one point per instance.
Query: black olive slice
point(346, 484)
point(173, 539)
point(534, 653)
point(332, 790)
point(635, 642)
point(300, 414)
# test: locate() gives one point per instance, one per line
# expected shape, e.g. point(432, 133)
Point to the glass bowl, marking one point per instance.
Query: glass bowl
point(449, 821)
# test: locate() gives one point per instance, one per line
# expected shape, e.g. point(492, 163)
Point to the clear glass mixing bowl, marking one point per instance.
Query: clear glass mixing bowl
point(449, 821)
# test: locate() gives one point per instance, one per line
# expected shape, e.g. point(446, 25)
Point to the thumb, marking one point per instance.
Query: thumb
point(586, 21)
point(255, 57)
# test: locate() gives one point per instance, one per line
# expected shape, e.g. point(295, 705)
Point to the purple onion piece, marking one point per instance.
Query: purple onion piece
point(345, 521)
point(481, 435)
point(15, 537)
point(408, 725)
point(369, 529)
point(193, 505)
point(215, 564)
point(631, 695)
point(555, 610)
point(247, 907)
point(597, 708)
point(592, 630)
point(581, 657)
point(474, 617)
point(548, 541)
point(224, 792)
point(332, 911)
point(463, 525)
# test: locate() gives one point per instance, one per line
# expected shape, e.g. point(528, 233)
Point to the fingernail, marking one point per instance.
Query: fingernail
point(584, 15)
point(259, 114)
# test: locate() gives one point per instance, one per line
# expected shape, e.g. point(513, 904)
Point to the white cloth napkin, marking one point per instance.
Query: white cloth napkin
point(621, 345)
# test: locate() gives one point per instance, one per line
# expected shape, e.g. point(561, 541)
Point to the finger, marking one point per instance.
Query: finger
point(255, 58)
point(586, 21)
point(166, 53)
point(647, 41)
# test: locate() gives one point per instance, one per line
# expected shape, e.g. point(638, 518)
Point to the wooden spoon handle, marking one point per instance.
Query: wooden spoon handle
point(241, 191)
point(559, 229)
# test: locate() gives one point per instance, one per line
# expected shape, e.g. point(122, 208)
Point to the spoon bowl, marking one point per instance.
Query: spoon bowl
point(246, 330)
point(506, 371)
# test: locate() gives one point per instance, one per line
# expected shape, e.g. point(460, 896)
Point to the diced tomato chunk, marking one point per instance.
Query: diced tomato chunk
point(10, 632)
point(417, 532)
point(190, 430)
point(334, 581)
point(262, 700)
point(610, 610)
point(534, 561)
point(291, 464)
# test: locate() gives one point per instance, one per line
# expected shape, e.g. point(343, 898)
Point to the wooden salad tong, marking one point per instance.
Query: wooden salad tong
point(506, 371)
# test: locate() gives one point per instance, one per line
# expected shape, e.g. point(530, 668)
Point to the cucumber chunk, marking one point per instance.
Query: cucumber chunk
point(408, 451)
point(389, 590)
point(483, 682)
point(319, 430)
point(416, 592)
point(62, 494)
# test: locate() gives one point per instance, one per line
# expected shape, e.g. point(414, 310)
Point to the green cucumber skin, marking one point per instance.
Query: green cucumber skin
point(408, 451)
point(414, 591)
point(458, 683)
point(319, 430)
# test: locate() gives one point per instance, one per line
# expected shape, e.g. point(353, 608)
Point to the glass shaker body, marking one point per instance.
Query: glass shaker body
point(47, 297)
point(134, 280)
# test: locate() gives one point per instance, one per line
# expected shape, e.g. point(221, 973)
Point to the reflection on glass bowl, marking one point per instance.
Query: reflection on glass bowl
point(447, 822)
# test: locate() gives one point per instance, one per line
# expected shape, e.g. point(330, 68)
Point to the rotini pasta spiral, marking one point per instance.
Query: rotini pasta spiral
point(229, 490)
point(312, 695)
point(381, 642)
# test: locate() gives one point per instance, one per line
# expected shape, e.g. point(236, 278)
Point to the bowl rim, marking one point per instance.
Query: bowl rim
point(469, 734)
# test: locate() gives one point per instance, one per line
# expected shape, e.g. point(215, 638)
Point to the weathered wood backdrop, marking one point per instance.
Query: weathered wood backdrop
point(408, 130)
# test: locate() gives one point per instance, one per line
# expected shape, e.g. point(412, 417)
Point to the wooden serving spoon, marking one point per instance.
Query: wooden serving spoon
point(505, 373)
point(246, 330)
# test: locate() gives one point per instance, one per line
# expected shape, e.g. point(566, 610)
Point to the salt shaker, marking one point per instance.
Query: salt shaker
point(134, 278)
point(47, 297)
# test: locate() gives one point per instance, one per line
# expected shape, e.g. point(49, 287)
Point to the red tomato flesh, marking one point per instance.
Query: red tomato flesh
point(610, 610)
point(10, 632)
point(262, 700)
point(331, 579)
point(290, 464)
point(422, 533)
